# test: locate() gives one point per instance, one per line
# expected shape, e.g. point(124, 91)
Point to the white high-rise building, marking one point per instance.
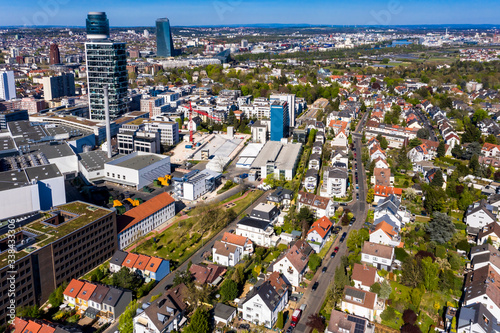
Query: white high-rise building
point(146, 33)
point(7, 85)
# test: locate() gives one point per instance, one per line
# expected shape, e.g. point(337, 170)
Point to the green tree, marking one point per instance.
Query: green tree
point(126, 280)
point(56, 297)
point(479, 115)
point(423, 133)
point(491, 139)
point(370, 196)
point(182, 277)
point(383, 141)
point(126, 323)
point(280, 322)
point(440, 228)
point(385, 290)
point(435, 199)
point(200, 322)
point(414, 143)
point(441, 149)
point(29, 312)
point(228, 290)
point(430, 273)
point(314, 262)
point(411, 272)
point(438, 179)
point(305, 215)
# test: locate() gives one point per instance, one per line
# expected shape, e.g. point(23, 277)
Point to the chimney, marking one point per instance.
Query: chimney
point(108, 125)
point(364, 266)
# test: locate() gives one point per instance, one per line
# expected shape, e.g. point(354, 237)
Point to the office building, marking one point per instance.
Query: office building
point(169, 131)
point(106, 65)
point(145, 141)
point(196, 183)
point(292, 107)
point(143, 219)
point(7, 85)
point(97, 25)
point(54, 56)
point(14, 115)
point(58, 86)
point(53, 247)
point(164, 41)
point(280, 123)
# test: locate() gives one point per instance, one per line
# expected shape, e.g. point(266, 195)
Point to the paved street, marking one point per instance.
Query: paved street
point(315, 299)
point(427, 124)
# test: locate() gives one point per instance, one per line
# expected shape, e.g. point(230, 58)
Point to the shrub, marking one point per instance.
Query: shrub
point(401, 254)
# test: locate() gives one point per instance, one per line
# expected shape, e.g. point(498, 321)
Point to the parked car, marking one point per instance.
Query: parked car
point(336, 249)
point(333, 255)
point(315, 286)
point(342, 238)
point(324, 269)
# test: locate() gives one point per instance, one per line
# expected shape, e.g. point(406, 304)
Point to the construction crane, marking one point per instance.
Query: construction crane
point(203, 113)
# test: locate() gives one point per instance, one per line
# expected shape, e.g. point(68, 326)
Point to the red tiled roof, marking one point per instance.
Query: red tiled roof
point(321, 226)
point(153, 264)
point(32, 327)
point(73, 288)
point(139, 213)
point(130, 260)
point(19, 325)
point(141, 262)
point(47, 329)
point(234, 239)
point(385, 191)
point(86, 291)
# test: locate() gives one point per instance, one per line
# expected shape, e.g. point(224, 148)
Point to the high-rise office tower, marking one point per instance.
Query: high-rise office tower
point(7, 85)
point(290, 99)
point(164, 41)
point(54, 56)
point(106, 66)
point(58, 86)
point(279, 120)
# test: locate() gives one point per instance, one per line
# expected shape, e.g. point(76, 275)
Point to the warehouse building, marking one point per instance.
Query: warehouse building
point(280, 159)
point(196, 183)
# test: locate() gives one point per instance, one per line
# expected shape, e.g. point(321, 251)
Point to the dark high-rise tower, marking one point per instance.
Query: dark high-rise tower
point(164, 41)
point(54, 57)
point(97, 25)
point(106, 66)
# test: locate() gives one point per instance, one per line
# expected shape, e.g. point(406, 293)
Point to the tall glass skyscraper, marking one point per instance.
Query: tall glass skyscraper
point(279, 120)
point(106, 66)
point(97, 25)
point(164, 41)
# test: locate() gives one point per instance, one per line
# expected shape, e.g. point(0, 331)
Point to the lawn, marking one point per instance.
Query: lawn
point(186, 236)
point(422, 219)
point(327, 246)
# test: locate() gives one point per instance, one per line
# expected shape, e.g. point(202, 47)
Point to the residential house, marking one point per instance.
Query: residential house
point(382, 192)
point(378, 255)
point(231, 249)
point(210, 274)
point(483, 286)
point(82, 299)
point(97, 298)
point(387, 234)
point(115, 263)
point(341, 322)
point(281, 198)
point(490, 258)
point(382, 177)
point(311, 180)
point(292, 263)
point(156, 269)
point(319, 232)
point(164, 314)
point(476, 318)
point(115, 302)
point(339, 156)
point(389, 206)
point(336, 181)
point(263, 303)
point(260, 232)
point(490, 150)
point(490, 232)
point(376, 152)
point(479, 214)
point(265, 212)
point(319, 206)
point(381, 163)
point(315, 161)
point(359, 302)
point(71, 292)
point(364, 276)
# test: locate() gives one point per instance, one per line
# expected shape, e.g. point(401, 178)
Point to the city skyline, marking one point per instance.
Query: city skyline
point(235, 12)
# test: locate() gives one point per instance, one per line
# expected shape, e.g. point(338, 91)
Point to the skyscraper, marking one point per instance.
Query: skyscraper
point(7, 85)
point(290, 99)
point(106, 65)
point(54, 56)
point(279, 120)
point(164, 41)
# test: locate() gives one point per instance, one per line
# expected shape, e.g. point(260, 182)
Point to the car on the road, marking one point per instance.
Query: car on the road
point(353, 219)
point(324, 269)
point(333, 255)
point(357, 196)
point(315, 286)
point(368, 224)
point(342, 238)
point(336, 249)
point(294, 298)
point(343, 203)
point(289, 330)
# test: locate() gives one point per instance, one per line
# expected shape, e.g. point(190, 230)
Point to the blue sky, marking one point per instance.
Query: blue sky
point(226, 12)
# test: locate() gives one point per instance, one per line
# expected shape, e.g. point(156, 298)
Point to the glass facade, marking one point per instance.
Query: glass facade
point(97, 25)
point(279, 120)
point(107, 65)
point(164, 41)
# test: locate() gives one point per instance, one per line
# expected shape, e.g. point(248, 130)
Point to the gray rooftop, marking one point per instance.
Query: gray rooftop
point(113, 296)
point(6, 143)
point(223, 311)
point(12, 179)
point(288, 156)
point(53, 150)
point(269, 152)
point(43, 172)
point(95, 160)
point(139, 162)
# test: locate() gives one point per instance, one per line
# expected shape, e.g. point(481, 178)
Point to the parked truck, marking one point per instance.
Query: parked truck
point(296, 317)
